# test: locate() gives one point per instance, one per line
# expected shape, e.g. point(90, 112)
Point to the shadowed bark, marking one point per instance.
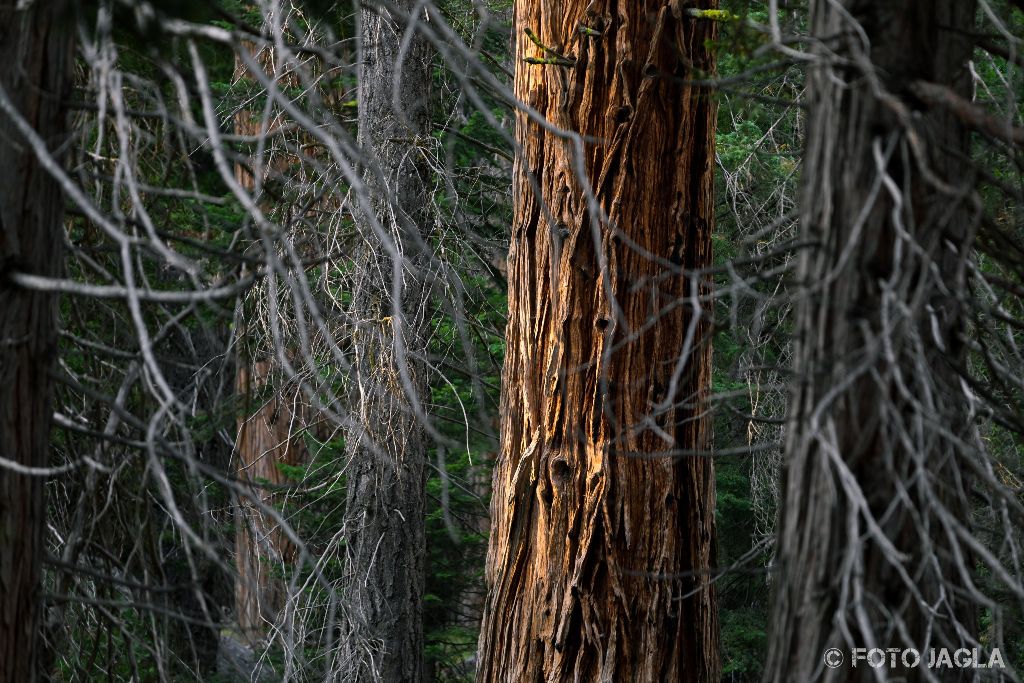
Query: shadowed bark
point(266, 439)
point(382, 638)
point(35, 49)
point(875, 496)
point(272, 416)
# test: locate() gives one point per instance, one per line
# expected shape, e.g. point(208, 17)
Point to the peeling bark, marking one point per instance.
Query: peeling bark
point(602, 518)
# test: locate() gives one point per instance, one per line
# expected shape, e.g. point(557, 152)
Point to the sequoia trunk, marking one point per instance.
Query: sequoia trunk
point(602, 533)
point(382, 638)
point(875, 496)
point(35, 48)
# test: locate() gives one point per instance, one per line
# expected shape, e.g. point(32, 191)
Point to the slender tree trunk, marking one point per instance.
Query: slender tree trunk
point(875, 497)
point(35, 47)
point(271, 417)
point(602, 518)
point(382, 638)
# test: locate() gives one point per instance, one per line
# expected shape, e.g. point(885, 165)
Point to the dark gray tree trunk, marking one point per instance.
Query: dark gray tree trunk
point(35, 50)
point(383, 633)
point(875, 499)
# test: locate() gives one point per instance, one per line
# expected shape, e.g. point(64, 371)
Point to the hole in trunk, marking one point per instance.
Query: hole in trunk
point(560, 471)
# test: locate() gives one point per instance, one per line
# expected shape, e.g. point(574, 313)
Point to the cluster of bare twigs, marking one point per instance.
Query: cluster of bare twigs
point(219, 205)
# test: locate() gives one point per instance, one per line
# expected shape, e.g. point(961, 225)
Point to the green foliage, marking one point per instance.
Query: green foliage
point(744, 642)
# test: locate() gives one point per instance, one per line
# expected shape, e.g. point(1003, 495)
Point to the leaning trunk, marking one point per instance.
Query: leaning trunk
point(35, 49)
point(603, 500)
point(382, 638)
point(875, 495)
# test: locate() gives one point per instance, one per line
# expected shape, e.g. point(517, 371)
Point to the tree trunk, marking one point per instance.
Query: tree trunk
point(35, 47)
point(382, 637)
point(603, 506)
point(271, 418)
point(266, 439)
point(875, 498)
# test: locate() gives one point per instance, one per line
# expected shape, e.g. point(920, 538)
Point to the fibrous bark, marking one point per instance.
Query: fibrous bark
point(35, 48)
point(876, 499)
point(602, 532)
point(382, 638)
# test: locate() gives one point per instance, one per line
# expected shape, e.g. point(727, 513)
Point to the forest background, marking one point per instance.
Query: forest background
point(227, 294)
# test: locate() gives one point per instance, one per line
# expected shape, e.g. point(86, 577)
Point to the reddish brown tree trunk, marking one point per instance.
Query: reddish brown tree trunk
point(35, 49)
point(266, 439)
point(602, 518)
point(271, 418)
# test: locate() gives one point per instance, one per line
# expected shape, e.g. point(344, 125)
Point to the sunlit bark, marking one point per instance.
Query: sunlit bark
point(602, 530)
